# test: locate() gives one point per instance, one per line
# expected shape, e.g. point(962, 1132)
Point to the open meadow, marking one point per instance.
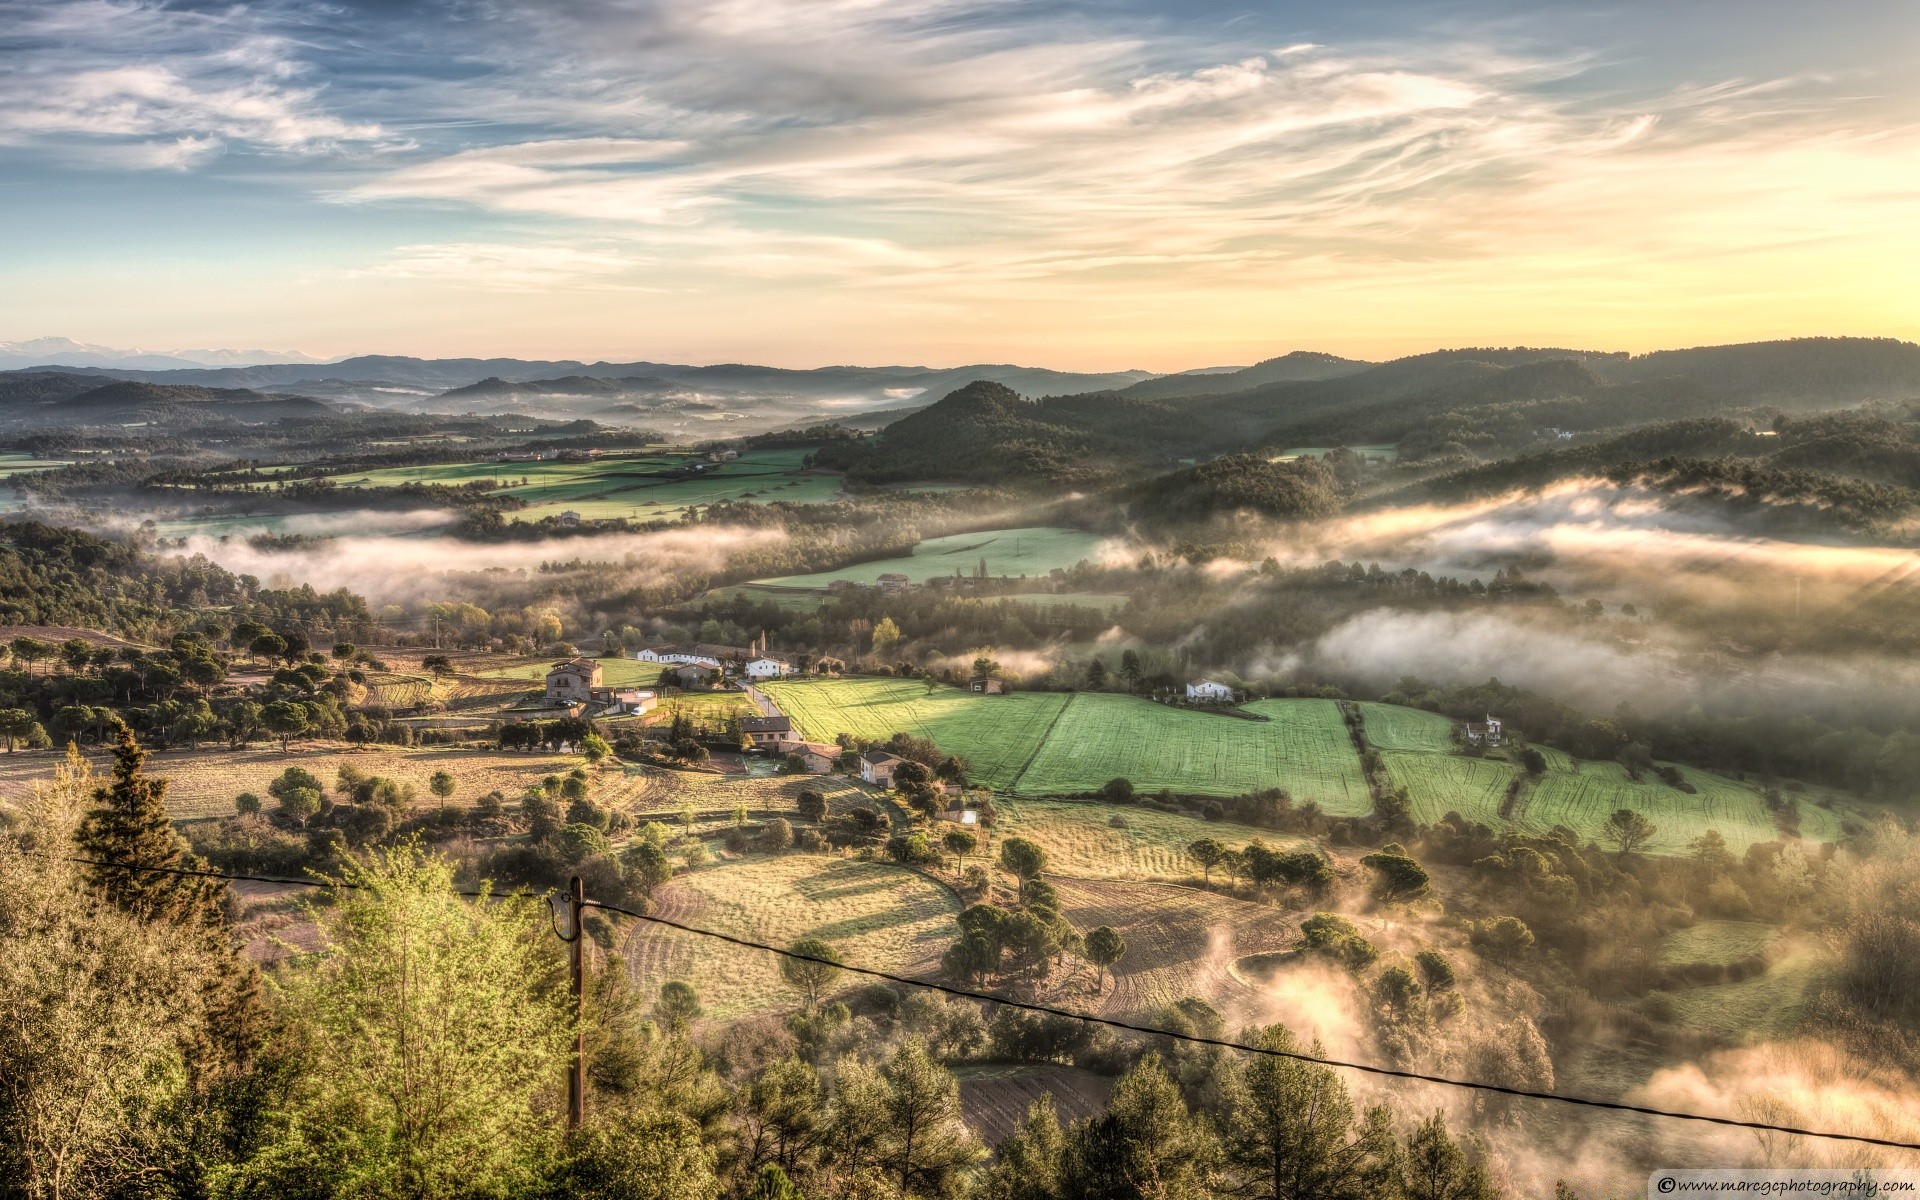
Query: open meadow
point(997, 735)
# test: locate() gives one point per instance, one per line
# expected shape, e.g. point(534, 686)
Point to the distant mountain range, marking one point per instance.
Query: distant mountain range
point(65, 352)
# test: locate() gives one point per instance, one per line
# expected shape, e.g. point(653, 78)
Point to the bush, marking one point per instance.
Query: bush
point(777, 835)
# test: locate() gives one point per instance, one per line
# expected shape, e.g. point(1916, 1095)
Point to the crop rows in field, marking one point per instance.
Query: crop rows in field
point(1583, 798)
point(1081, 841)
point(994, 1098)
point(1441, 783)
point(1303, 748)
point(995, 734)
point(1050, 744)
point(1393, 727)
point(874, 914)
point(1582, 795)
point(1180, 941)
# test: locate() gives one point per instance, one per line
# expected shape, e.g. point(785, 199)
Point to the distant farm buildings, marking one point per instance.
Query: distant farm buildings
point(987, 685)
point(754, 662)
point(576, 684)
point(1209, 691)
point(1483, 733)
point(877, 767)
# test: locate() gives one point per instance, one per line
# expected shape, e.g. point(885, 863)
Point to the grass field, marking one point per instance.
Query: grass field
point(995, 734)
point(203, 783)
point(1392, 727)
point(1440, 783)
point(1082, 843)
point(1417, 750)
point(874, 914)
point(1303, 748)
point(1717, 942)
point(629, 485)
point(1050, 744)
point(1009, 553)
point(1768, 1005)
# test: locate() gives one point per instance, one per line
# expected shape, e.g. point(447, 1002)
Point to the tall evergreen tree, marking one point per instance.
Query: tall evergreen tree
point(129, 824)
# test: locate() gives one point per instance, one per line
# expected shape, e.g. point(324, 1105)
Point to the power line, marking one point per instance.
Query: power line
point(1088, 1018)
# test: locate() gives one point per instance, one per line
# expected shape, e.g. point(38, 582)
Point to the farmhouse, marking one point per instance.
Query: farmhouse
point(819, 758)
point(877, 767)
point(1484, 733)
point(572, 681)
point(695, 674)
point(769, 733)
point(892, 582)
point(767, 666)
point(1209, 691)
point(987, 685)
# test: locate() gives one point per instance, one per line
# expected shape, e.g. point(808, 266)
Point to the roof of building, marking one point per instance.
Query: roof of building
point(824, 749)
point(575, 664)
point(881, 757)
point(766, 725)
point(891, 575)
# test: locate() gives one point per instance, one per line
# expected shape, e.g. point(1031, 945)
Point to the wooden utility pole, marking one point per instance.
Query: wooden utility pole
point(577, 1072)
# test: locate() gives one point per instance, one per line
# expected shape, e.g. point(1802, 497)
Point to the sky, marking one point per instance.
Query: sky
point(1156, 184)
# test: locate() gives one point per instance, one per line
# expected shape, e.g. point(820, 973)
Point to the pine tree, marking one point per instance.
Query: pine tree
point(129, 824)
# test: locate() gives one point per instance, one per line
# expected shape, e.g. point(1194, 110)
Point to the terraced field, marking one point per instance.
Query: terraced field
point(874, 914)
point(1008, 553)
point(1051, 744)
point(1179, 941)
point(1082, 843)
point(997, 735)
point(1768, 1005)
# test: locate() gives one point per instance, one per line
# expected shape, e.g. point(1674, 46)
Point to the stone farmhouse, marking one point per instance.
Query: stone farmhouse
point(877, 767)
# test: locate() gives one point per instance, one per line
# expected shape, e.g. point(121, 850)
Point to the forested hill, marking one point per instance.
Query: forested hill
point(1288, 368)
point(41, 398)
point(55, 576)
point(1453, 406)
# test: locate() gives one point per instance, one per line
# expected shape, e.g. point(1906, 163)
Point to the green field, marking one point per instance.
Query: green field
point(1392, 727)
point(1440, 783)
point(1303, 748)
point(995, 734)
point(629, 485)
point(1009, 553)
point(1050, 744)
point(26, 464)
point(1417, 749)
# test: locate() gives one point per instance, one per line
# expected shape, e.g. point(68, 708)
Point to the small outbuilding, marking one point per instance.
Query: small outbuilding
point(987, 685)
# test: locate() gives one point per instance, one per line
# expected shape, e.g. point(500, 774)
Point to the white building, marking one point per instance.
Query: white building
point(1484, 733)
point(767, 666)
point(1209, 691)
